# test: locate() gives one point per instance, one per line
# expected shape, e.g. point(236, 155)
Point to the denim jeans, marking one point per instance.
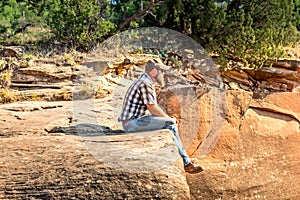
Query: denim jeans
point(155, 123)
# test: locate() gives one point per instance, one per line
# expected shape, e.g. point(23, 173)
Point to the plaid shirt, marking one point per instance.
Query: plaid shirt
point(140, 93)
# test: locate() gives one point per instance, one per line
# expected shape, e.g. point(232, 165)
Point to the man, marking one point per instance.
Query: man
point(140, 99)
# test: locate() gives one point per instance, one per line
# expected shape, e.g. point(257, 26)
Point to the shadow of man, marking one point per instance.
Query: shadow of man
point(86, 130)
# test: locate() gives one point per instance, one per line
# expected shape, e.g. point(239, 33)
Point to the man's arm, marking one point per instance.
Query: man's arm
point(155, 110)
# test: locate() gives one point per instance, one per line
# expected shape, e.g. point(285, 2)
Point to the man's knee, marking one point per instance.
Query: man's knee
point(170, 124)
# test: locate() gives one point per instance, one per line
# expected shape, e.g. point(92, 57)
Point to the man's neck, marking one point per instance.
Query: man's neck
point(149, 77)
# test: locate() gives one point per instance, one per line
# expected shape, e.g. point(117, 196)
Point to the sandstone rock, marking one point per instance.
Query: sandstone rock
point(280, 103)
point(238, 76)
point(31, 118)
point(296, 89)
point(181, 102)
point(9, 52)
point(288, 64)
point(99, 67)
point(248, 142)
point(284, 76)
point(45, 73)
point(82, 130)
point(257, 154)
point(142, 165)
point(60, 167)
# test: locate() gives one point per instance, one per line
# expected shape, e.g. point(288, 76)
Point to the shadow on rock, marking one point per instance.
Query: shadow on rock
point(86, 130)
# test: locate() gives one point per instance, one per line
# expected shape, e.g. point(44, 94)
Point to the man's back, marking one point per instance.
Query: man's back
point(139, 94)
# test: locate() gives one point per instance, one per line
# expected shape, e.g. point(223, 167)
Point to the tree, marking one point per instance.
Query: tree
point(254, 31)
point(131, 14)
point(79, 23)
point(250, 31)
point(296, 14)
point(16, 15)
point(10, 13)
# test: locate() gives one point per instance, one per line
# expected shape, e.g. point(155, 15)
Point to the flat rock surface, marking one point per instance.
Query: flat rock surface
point(59, 167)
point(83, 159)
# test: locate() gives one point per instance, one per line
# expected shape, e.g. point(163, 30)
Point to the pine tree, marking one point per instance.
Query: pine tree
point(248, 31)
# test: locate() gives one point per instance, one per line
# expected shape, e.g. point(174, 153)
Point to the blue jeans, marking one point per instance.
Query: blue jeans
point(155, 123)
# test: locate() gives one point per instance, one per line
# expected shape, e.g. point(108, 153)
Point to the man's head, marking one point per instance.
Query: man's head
point(154, 69)
point(155, 64)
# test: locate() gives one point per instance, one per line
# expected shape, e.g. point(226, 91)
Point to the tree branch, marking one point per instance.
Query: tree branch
point(139, 14)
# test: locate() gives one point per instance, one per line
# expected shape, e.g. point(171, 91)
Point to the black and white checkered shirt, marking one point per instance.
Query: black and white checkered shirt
point(140, 93)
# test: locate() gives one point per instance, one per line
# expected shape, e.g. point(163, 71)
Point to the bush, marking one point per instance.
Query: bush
point(10, 13)
point(80, 23)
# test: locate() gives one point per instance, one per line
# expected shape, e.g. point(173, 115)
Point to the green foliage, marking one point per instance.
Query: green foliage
point(15, 14)
point(248, 31)
point(296, 14)
point(136, 11)
point(78, 22)
point(254, 32)
point(10, 12)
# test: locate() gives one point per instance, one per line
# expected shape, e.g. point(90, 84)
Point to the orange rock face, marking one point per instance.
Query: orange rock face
point(257, 154)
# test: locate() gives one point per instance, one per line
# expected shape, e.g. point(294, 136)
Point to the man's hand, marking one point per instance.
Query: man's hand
point(176, 120)
point(157, 88)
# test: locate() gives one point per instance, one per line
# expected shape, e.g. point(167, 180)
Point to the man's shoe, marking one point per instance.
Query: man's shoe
point(194, 160)
point(193, 168)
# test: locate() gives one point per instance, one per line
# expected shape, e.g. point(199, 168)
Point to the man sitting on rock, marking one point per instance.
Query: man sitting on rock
point(141, 98)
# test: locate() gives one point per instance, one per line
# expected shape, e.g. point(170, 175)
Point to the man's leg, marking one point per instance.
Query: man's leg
point(174, 128)
point(145, 123)
point(156, 123)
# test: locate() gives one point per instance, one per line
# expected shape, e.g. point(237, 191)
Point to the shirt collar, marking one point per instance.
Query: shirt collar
point(146, 76)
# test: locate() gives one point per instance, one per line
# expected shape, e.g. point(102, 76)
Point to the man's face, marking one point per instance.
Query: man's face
point(156, 72)
point(159, 77)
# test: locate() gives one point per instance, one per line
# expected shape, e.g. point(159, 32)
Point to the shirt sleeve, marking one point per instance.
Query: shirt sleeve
point(148, 94)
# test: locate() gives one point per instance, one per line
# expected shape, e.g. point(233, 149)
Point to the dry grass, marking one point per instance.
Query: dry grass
point(293, 52)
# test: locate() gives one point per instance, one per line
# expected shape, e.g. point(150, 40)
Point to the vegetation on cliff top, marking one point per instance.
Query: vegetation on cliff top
point(251, 32)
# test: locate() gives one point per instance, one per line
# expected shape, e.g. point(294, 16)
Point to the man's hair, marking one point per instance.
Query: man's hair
point(151, 64)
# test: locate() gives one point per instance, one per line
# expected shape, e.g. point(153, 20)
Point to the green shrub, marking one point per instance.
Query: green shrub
point(78, 22)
